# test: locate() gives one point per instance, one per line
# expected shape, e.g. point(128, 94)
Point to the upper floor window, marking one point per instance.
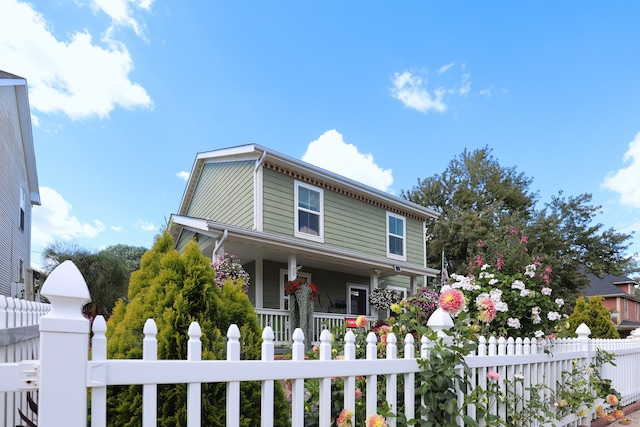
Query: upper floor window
point(396, 240)
point(22, 207)
point(309, 217)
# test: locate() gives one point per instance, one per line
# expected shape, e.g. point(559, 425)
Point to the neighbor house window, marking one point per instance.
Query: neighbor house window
point(22, 207)
point(358, 299)
point(396, 241)
point(309, 207)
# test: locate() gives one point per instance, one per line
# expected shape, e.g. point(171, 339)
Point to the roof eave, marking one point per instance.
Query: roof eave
point(255, 152)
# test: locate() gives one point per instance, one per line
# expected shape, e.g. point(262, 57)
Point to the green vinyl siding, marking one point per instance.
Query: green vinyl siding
point(349, 224)
point(225, 194)
point(278, 203)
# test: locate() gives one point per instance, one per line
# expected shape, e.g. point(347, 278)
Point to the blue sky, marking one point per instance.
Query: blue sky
point(124, 93)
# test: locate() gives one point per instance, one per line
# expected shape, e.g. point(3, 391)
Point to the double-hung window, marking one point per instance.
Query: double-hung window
point(396, 237)
point(309, 208)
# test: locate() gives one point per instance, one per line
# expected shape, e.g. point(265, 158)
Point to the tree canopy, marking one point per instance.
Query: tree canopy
point(106, 273)
point(481, 202)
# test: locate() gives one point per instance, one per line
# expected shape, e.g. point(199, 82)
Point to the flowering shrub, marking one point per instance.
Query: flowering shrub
point(228, 267)
point(383, 298)
point(509, 299)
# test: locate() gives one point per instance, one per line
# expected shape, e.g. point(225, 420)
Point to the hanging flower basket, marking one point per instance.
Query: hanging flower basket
point(301, 298)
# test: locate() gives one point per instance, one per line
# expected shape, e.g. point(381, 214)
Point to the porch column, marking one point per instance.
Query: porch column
point(413, 285)
point(258, 280)
point(374, 283)
point(293, 268)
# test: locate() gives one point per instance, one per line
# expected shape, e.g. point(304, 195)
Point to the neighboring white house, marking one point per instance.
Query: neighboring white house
point(19, 189)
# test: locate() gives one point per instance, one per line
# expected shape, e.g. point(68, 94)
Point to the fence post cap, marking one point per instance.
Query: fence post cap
point(583, 330)
point(66, 281)
point(440, 319)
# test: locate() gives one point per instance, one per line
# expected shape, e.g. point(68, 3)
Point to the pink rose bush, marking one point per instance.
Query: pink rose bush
point(507, 292)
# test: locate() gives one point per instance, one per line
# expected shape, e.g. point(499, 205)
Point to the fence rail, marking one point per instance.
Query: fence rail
point(64, 375)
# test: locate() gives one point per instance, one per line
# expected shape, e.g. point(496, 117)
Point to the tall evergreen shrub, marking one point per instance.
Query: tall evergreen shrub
point(176, 289)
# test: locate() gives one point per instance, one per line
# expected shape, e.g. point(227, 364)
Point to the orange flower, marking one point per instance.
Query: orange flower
point(617, 414)
point(361, 321)
point(612, 399)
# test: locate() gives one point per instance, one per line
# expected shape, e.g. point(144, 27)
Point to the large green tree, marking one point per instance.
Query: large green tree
point(106, 274)
point(176, 289)
point(481, 202)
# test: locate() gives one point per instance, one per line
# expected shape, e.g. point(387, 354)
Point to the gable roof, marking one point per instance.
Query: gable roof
point(24, 115)
point(305, 171)
point(606, 286)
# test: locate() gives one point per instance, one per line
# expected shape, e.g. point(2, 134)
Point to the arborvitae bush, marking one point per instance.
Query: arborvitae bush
point(177, 289)
point(595, 315)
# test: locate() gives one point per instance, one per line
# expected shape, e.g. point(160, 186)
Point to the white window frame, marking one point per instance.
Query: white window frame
point(402, 257)
point(23, 209)
point(284, 274)
point(297, 208)
point(366, 288)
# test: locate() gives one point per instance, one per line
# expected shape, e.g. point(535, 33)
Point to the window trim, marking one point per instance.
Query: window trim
point(296, 208)
point(366, 288)
point(23, 208)
point(402, 257)
point(402, 290)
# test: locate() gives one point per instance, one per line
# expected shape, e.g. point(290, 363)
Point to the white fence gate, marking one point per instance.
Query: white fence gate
point(64, 375)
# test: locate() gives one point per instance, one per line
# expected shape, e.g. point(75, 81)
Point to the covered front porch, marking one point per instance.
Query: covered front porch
point(344, 279)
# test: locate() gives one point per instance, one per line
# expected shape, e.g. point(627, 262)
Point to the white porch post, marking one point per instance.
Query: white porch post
point(413, 284)
point(374, 283)
point(64, 350)
point(259, 283)
point(293, 268)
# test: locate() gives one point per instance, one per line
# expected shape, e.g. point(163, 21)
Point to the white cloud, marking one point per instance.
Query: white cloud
point(411, 90)
point(330, 152)
point(183, 175)
point(146, 226)
point(444, 68)
point(625, 181)
point(122, 14)
point(54, 220)
point(488, 92)
point(465, 85)
point(76, 77)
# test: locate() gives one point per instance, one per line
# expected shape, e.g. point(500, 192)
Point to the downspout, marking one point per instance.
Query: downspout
point(219, 243)
point(257, 194)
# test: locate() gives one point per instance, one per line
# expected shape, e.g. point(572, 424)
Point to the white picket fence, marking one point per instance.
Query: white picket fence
point(64, 375)
point(19, 340)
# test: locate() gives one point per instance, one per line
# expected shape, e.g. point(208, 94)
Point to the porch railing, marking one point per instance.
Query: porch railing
point(279, 322)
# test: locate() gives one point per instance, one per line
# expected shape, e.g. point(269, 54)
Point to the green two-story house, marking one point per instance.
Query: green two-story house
point(285, 218)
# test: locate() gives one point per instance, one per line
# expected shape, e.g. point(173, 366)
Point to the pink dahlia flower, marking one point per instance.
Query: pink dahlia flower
point(344, 419)
point(451, 301)
point(376, 420)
